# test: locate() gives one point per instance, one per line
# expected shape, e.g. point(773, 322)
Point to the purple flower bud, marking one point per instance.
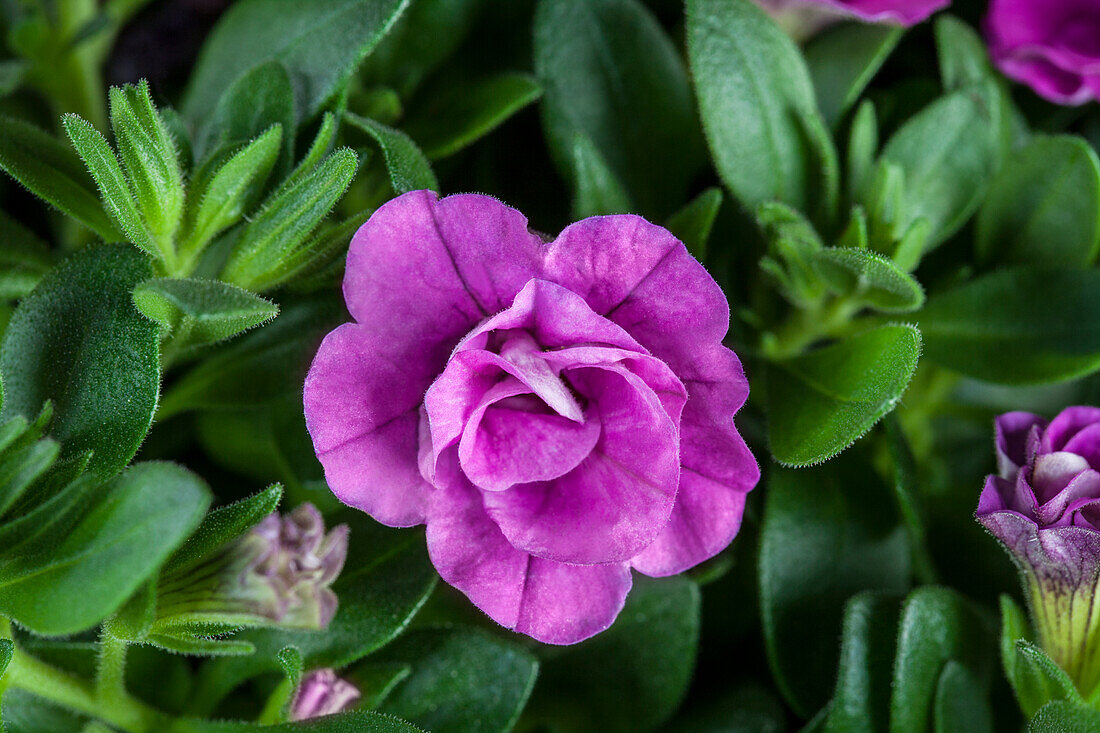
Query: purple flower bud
point(277, 574)
point(1053, 46)
point(1044, 506)
point(323, 693)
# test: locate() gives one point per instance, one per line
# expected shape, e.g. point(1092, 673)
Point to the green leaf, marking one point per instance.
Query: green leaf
point(25, 712)
point(7, 649)
point(907, 489)
point(52, 171)
point(937, 625)
point(1043, 207)
point(385, 581)
point(1035, 678)
point(597, 190)
point(259, 366)
point(286, 220)
point(868, 278)
point(61, 583)
point(1062, 716)
point(461, 681)
point(755, 99)
point(223, 525)
point(962, 53)
point(962, 702)
point(693, 223)
point(611, 73)
point(354, 722)
point(461, 115)
point(1023, 325)
point(862, 148)
point(821, 402)
point(842, 61)
point(78, 340)
point(136, 616)
point(253, 104)
point(22, 467)
point(408, 168)
point(945, 155)
point(861, 701)
point(201, 311)
point(322, 144)
point(233, 190)
point(646, 657)
point(118, 199)
point(319, 42)
point(152, 165)
point(828, 533)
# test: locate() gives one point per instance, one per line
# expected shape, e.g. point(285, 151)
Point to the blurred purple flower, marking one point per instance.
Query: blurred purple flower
point(321, 692)
point(1044, 506)
point(278, 573)
point(556, 413)
point(803, 18)
point(1053, 46)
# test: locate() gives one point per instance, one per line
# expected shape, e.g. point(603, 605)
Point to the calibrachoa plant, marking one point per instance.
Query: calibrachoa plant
point(549, 365)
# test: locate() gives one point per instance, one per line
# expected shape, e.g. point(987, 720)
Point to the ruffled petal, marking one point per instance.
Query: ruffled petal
point(551, 602)
point(362, 413)
point(604, 258)
point(505, 444)
point(619, 498)
point(1012, 430)
point(901, 12)
point(1086, 443)
point(1066, 424)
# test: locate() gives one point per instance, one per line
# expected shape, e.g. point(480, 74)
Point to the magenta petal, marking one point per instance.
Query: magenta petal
point(362, 414)
point(504, 445)
point(1012, 430)
point(604, 258)
point(1083, 488)
point(551, 602)
point(902, 12)
point(619, 498)
point(555, 317)
point(422, 267)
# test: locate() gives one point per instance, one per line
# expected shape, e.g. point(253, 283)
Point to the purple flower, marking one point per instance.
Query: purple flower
point(323, 693)
point(279, 573)
point(1044, 506)
point(557, 413)
point(803, 18)
point(1053, 46)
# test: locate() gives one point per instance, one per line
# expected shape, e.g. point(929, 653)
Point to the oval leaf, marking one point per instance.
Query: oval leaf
point(1043, 207)
point(61, 583)
point(1017, 326)
point(78, 340)
point(868, 278)
point(204, 310)
point(822, 402)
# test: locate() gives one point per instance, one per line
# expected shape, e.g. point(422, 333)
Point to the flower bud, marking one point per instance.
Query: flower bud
point(323, 693)
point(1044, 507)
point(279, 574)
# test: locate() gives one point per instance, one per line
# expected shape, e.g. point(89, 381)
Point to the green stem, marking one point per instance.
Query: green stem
point(806, 326)
point(110, 678)
point(122, 711)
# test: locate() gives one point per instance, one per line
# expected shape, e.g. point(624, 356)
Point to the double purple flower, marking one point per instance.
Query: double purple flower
point(1044, 506)
point(558, 413)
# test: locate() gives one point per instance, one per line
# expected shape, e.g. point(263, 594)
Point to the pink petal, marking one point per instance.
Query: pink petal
point(1086, 443)
point(604, 258)
point(551, 602)
point(620, 497)
point(502, 446)
point(361, 411)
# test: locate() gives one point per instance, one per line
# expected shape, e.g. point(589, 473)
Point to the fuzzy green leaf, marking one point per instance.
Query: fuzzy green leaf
point(203, 311)
point(61, 583)
point(408, 168)
point(78, 340)
point(842, 61)
point(50, 170)
point(822, 402)
point(868, 278)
